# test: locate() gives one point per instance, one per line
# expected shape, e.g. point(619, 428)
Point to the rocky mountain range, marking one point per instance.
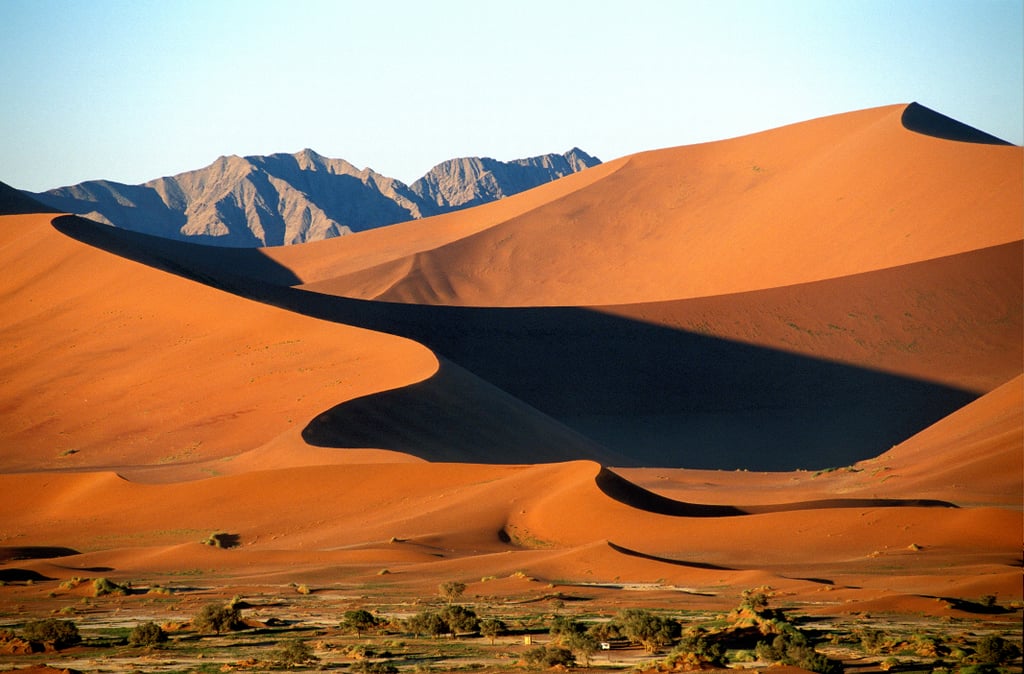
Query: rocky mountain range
point(292, 198)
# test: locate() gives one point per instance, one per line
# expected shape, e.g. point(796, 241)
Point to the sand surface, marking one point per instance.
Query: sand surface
point(476, 396)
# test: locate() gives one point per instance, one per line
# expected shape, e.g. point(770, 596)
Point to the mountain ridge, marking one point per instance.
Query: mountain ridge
point(281, 198)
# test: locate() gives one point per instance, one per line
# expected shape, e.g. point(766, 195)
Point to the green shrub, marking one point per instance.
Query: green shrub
point(995, 650)
point(645, 628)
point(451, 590)
point(550, 656)
point(492, 627)
point(792, 648)
point(218, 618)
point(359, 621)
point(59, 633)
point(460, 619)
point(293, 653)
point(696, 650)
point(103, 586)
point(428, 623)
point(147, 634)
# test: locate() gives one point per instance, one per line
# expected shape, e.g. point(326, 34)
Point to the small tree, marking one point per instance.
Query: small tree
point(492, 627)
point(550, 656)
point(696, 651)
point(647, 629)
point(460, 619)
point(147, 634)
point(451, 590)
point(217, 618)
point(792, 648)
point(60, 633)
point(582, 644)
point(429, 623)
point(563, 627)
point(995, 650)
point(359, 621)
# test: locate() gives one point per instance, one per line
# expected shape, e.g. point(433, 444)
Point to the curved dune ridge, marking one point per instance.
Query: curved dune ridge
point(443, 398)
point(700, 220)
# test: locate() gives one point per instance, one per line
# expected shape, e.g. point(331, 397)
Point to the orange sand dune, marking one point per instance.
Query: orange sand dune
point(822, 199)
point(954, 320)
point(469, 521)
point(110, 363)
point(843, 283)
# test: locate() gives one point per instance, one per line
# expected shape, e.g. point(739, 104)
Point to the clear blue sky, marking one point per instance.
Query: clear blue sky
point(132, 90)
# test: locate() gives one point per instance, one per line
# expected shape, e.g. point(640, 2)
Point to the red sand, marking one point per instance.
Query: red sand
point(122, 386)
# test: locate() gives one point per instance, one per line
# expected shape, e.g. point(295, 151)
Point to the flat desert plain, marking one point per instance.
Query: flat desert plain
point(789, 361)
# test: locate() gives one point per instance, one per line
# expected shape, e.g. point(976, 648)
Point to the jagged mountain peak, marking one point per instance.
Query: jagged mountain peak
point(284, 198)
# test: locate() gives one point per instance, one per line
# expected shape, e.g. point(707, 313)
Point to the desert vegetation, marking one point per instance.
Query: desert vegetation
point(493, 635)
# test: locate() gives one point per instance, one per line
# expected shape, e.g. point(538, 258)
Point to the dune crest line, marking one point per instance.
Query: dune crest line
point(622, 490)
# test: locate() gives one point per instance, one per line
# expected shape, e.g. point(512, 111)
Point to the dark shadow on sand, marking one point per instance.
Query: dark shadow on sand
point(617, 487)
point(665, 560)
point(920, 119)
point(653, 395)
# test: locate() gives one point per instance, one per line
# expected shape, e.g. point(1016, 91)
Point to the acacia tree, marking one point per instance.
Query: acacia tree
point(359, 621)
point(492, 627)
point(427, 622)
point(647, 629)
point(460, 619)
point(582, 644)
point(451, 590)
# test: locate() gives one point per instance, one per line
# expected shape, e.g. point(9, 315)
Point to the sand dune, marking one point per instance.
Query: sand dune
point(110, 363)
point(723, 217)
point(843, 294)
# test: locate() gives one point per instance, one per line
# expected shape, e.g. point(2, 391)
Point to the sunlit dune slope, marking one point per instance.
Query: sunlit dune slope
point(456, 520)
point(106, 362)
point(955, 320)
point(975, 455)
point(821, 199)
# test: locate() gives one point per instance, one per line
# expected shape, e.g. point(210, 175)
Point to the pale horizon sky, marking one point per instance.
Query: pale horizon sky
point(131, 91)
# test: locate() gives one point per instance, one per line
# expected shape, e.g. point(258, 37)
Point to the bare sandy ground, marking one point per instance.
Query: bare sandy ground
point(147, 399)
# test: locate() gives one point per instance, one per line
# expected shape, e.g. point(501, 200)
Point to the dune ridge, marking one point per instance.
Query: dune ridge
point(338, 408)
point(717, 211)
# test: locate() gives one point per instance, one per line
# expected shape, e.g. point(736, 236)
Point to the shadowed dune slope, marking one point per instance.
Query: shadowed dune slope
point(113, 363)
point(821, 199)
point(811, 375)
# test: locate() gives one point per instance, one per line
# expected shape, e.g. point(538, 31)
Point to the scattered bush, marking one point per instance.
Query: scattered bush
point(792, 648)
point(59, 633)
point(429, 623)
point(101, 587)
point(696, 651)
point(359, 621)
point(293, 653)
point(550, 656)
point(451, 590)
point(492, 627)
point(649, 630)
point(367, 667)
point(995, 650)
point(147, 634)
point(218, 618)
point(460, 619)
